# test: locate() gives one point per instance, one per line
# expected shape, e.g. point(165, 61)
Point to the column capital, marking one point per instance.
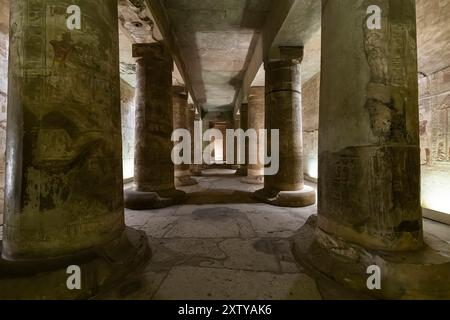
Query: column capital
point(288, 56)
point(156, 50)
point(292, 53)
point(180, 91)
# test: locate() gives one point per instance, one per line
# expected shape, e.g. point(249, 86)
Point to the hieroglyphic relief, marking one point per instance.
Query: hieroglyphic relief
point(434, 116)
point(435, 129)
point(388, 51)
point(65, 87)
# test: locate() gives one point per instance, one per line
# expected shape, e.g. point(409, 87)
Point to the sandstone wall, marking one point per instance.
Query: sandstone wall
point(128, 125)
point(434, 111)
point(310, 104)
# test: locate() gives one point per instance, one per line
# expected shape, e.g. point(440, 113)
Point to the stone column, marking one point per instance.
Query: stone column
point(243, 124)
point(236, 126)
point(64, 186)
point(284, 113)
point(197, 138)
point(256, 108)
point(154, 170)
point(191, 119)
point(369, 156)
point(180, 121)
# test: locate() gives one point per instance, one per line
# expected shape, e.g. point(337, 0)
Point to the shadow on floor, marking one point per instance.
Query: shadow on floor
point(219, 197)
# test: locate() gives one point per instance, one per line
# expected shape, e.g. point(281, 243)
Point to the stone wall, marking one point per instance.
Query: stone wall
point(128, 125)
point(310, 104)
point(4, 26)
point(434, 111)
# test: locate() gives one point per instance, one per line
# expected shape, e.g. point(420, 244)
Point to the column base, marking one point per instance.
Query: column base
point(137, 200)
point(196, 172)
point(253, 180)
point(101, 268)
point(185, 181)
point(241, 171)
point(296, 199)
point(423, 274)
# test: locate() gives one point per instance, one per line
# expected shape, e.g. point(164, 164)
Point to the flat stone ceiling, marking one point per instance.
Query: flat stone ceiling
point(216, 40)
point(302, 27)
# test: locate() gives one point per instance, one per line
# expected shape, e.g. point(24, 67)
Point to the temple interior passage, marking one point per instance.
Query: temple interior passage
point(235, 149)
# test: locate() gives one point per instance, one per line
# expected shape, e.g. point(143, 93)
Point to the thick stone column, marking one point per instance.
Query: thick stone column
point(284, 113)
point(64, 196)
point(369, 167)
point(241, 169)
point(369, 156)
point(256, 108)
point(154, 170)
point(180, 121)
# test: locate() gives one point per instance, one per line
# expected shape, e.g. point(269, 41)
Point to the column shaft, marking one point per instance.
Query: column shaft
point(154, 169)
point(243, 124)
point(180, 121)
point(256, 108)
point(369, 167)
point(369, 171)
point(284, 113)
point(197, 138)
point(64, 160)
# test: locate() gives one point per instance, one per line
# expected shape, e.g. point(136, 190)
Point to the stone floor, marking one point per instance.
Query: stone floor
point(224, 245)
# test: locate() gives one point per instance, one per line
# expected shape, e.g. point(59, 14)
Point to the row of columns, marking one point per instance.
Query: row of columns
point(162, 108)
point(64, 179)
point(390, 139)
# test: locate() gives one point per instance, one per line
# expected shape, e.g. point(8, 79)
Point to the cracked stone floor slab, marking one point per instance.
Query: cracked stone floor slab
point(224, 245)
point(217, 250)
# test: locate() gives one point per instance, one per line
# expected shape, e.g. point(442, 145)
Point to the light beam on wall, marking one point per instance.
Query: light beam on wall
point(436, 188)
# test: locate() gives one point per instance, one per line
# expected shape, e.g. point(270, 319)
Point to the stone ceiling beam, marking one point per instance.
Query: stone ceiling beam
point(163, 22)
point(278, 13)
